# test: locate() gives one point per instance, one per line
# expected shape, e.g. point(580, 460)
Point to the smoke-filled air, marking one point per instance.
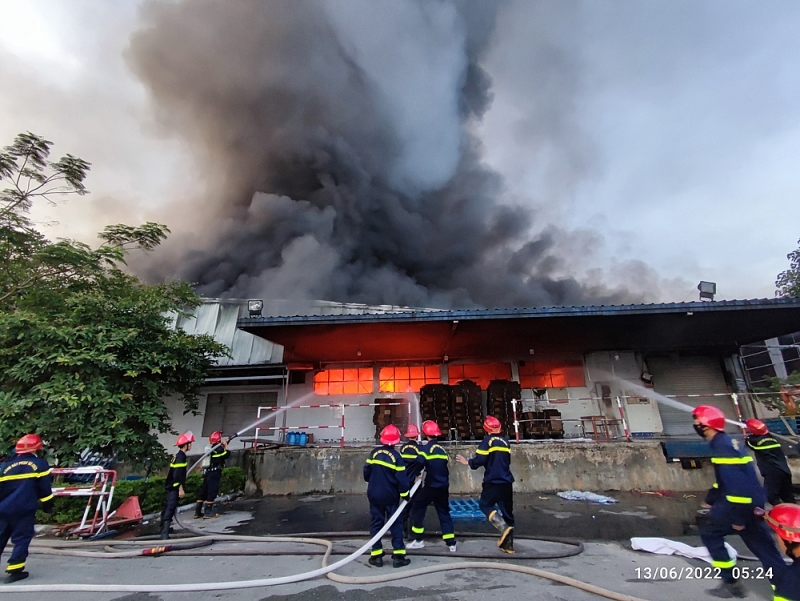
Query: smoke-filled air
point(339, 155)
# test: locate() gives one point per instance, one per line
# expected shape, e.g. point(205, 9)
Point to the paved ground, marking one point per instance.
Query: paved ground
point(606, 563)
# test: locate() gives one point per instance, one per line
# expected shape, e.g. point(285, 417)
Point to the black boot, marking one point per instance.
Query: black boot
point(198, 510)
point(376, 560)
point(164, 534)
point(211, 511)
point(398, 561)
point(496, 520)
point(15, 576)
point(507, 546)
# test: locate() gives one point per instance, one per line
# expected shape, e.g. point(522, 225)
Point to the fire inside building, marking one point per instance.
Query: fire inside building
point(558, 372)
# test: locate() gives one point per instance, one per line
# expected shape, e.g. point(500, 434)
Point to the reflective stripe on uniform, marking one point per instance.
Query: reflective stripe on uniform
point(404, 494)
point(715, 485)
point(765, 447)
point(15, 566)
point(429, 457)
point(45, 499)
point(731, 460)
point(724, 564)
point(24, 476)
point(408, 456)
point(399, 552)
point(376, 552)
point(448, 536)
point(742, 500)
point(215, 455)
point(178, 464)
point(416, 530)
point(492, 449)
point(399, 468)
point(777, 598)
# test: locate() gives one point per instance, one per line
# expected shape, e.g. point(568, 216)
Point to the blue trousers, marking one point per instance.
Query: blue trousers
point(379, 514)
point(501, 495)
point(170, 506)
point(755, 534)
point(19, 529)
point(440, 497)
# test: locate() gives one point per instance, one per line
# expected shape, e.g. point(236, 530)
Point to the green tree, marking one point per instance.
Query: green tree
point(788, 282)
point(87, 351)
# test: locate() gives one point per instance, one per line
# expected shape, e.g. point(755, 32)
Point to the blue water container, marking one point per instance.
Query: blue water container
point(303, 439)
point(291, 438)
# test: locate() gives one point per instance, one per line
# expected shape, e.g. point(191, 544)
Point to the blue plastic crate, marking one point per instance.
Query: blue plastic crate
point(465, 509)
point(777, 426)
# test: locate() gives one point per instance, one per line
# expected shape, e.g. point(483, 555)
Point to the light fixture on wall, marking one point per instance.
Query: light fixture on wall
point(530, 351)
point(254, 307)
point(358, 353)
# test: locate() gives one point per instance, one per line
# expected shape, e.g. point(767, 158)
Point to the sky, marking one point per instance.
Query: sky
point(656, 143)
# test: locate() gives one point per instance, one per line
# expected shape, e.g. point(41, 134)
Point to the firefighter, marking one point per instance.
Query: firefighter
point(409, 451)
point(494, 455)
point(785, 520)
point(771, 463)
point(385, 473)
point(433, 458)
point(212, 474)
point(24, 483)
point(737, 502)
point(176, 478)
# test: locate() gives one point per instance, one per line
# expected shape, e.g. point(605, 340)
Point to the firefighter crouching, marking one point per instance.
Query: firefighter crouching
point(436, 490)
point(785, 520)
point(24, 483)
point(737, 501)
point(212, 474)
point(176, 478)
point(385, 473)
point(771, 463)
point(494, 455)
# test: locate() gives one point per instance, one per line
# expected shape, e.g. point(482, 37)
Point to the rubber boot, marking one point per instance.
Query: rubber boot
point(507, 545)
point(500, 524)
point(728, 590)
point(376, 560)
point(164, 534)
point(211, 511)
point(399, 561)
point(15, 576)
point(198, 510)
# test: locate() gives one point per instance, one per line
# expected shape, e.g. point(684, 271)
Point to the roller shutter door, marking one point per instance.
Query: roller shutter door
point(230, 412)
point(689, 375)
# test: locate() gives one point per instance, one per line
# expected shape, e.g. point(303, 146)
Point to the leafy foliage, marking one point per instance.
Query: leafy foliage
point(788, 282)
point(87, 351)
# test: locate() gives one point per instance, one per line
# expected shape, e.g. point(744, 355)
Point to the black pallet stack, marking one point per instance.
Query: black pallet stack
point(435, 402)
point(498, 402)
point(467, 410)
point(387, 412)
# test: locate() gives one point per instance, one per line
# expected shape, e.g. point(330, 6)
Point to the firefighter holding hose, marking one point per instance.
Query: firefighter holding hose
point(497, 500)
point(212, 474)
point(737, 504)
point(176, 478)
point(387, 484)
point(771, 463)
point(409, 451)
point(24, 483)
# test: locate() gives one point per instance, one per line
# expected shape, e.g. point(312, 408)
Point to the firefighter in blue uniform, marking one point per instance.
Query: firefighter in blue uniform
point(497, 500)
point(385, 473)
point(409, 451)
point(737, 504)
point(785, 520)
point(24, 483)
point(176, 478)
point(436, 490)
point(212, 475)
point(771, 463)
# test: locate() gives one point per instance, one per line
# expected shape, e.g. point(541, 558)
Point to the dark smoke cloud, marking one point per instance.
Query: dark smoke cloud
point(339, 158)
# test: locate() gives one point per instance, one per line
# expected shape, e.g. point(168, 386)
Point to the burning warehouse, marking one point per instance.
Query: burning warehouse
point(559, 372)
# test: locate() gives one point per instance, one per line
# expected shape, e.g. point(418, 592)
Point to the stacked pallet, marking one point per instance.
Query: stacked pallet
point(467, 410)
point(387, 411)
point(499, 395)
point(542, 424)
point(435, 404)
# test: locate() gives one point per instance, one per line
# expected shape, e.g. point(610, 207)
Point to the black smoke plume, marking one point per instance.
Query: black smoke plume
point(337, 150)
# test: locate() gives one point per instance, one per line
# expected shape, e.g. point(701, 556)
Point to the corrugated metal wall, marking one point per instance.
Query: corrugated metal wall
point(688, 375)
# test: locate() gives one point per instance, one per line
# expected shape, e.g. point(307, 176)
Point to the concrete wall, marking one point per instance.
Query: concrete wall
point(536, 467)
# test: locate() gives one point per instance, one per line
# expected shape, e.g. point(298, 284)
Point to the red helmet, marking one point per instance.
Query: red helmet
point(757, 427)
point(785, 520)
point(30, 443)
point(390, 435)
point(215, 437)
point(411, 431)
point(185, 438)
point(710, 416)
point(492, 425)
point(431, 428)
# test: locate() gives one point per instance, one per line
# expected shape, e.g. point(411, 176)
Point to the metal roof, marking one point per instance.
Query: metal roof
point(706, 327)
point(218, 319)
